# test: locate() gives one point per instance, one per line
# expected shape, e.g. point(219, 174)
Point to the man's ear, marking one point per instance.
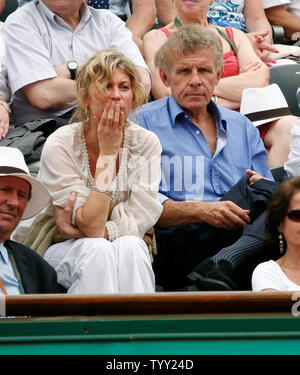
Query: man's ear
point(164, 78)
point(219, 74)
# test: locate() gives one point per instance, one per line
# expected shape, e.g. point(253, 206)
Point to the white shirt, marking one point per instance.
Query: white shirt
point(7, 273)
point(269, 275)
point(4, 90)
point(292, 6)
point(37, 40)
point(292, 166)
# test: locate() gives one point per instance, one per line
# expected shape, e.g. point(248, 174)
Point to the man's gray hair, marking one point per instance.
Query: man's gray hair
point(189, 39)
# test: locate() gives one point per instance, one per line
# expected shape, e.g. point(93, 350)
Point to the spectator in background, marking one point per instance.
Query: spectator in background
point(44, 52)
point(285, 13)
point(242, 69)
point(282, 241)
point(238, 59)
point(114, 167)
point(292, 165)
point(139, 17)
point(22, 270)
point(246, 15)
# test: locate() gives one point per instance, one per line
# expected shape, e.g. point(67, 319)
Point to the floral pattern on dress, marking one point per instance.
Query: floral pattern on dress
point(228, 13)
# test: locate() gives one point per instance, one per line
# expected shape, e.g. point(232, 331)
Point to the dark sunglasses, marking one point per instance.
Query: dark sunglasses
point(294, 215)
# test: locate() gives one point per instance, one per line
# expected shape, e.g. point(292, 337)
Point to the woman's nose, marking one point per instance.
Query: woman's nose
point(115, 93)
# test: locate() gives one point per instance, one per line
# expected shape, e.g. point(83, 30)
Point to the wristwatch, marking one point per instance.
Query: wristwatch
point(72, 66)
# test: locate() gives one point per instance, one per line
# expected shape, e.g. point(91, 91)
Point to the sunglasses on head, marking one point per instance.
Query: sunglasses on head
point(294, 215)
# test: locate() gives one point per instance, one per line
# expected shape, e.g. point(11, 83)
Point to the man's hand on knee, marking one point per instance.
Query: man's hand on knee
point(226, 215)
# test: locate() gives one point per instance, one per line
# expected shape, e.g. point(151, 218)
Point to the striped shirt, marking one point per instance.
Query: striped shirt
point(7, 273)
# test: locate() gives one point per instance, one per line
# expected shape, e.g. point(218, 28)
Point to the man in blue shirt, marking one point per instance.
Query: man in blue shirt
point(206, 151)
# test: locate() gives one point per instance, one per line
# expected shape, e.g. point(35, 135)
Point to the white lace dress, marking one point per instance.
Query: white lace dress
point(121, 264)
point(65, 168)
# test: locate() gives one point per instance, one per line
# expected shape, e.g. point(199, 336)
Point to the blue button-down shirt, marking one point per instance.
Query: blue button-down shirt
point(189, 170)
point(7, 273)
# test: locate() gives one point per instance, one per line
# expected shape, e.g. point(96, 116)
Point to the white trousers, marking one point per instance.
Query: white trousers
point(95, 265)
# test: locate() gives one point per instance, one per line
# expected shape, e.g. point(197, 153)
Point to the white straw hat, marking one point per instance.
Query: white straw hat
point(12, 163)
point(264, 104)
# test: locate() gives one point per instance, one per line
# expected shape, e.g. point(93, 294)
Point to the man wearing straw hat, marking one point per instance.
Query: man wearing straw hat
point(22, 271)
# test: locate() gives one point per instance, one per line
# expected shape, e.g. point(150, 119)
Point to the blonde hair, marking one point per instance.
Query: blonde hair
point(97, 72)
point(189, 39)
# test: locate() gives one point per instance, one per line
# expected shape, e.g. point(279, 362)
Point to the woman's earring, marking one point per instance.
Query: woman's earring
point(281, 244)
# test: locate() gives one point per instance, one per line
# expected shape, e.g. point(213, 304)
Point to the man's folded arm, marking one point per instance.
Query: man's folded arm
point(52, 93)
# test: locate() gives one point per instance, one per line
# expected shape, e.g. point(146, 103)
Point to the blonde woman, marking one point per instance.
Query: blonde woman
point(113, 165)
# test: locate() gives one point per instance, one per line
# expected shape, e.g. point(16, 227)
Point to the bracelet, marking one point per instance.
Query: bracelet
point(216, 99)
point(6, 106)
point(99, 190)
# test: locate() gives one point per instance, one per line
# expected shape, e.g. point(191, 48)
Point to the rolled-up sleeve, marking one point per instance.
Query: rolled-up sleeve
point(292, 166)
point(122, 41)
point(4, 89)
point(28, 58)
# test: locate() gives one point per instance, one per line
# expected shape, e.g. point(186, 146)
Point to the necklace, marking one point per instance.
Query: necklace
point(177, 23)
